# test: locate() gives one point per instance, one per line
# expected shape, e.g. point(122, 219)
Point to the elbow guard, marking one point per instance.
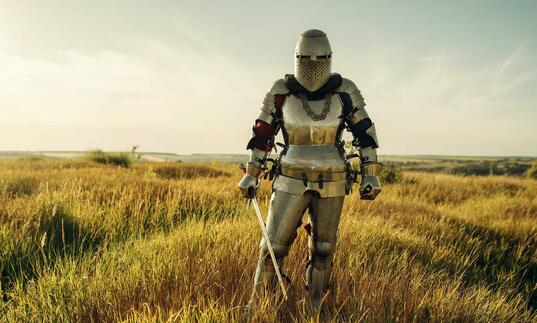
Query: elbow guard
point(364, 134)
point(262, 137)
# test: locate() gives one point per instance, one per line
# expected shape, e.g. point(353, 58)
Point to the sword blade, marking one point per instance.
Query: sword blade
point(269, 246)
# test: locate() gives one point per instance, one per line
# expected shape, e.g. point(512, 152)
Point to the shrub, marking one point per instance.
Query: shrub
point(32, 158)
point(187, 171)
point(391, 175)
point(121, 159)
point(532, 172)
point(485, 168)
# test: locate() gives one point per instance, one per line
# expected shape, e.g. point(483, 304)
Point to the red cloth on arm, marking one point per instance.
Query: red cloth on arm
point(265, 132)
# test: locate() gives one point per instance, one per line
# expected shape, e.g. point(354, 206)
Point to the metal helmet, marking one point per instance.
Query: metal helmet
point(313, 59)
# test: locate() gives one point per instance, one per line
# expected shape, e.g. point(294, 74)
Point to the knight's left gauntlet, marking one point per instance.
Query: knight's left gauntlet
point(370, 185)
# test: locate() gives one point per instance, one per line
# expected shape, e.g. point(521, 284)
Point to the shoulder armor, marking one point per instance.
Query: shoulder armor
point(278, 88)
point(348, 86)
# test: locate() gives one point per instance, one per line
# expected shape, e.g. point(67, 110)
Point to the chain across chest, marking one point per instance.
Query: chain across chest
point(309, 111)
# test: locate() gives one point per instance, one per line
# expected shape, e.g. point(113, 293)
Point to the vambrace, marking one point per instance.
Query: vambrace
point(256, 163)
point(368, 155)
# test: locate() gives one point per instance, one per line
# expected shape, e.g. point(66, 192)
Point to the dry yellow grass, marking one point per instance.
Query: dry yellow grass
point(81, 241)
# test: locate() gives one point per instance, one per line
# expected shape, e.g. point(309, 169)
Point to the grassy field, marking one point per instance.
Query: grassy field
point(80, 241)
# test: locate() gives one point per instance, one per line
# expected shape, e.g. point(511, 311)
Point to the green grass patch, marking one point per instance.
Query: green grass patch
point(121, 159)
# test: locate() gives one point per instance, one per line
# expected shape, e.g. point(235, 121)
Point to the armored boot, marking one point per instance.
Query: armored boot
point(265, 281)
point(318, 275)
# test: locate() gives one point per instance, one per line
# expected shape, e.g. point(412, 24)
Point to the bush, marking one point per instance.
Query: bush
point(532, 172)
point(188, 171)
point(121, 159)
point(391, 175)
point(485, 168)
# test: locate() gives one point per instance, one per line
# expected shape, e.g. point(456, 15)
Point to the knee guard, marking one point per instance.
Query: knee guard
point(280, 250)
point(265, 274)
point(322, 252)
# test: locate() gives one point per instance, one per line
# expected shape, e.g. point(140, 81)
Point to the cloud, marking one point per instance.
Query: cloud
point(439, 103)
point(160, 89)
point(180, 97)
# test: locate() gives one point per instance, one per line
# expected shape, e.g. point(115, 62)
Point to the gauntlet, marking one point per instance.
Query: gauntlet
point(249, 183)
point(370, 185)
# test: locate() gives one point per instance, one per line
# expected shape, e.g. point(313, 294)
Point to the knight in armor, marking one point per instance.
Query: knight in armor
point(312, 108)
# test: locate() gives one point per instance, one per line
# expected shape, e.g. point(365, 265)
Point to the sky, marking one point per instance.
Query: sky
point(438, 77)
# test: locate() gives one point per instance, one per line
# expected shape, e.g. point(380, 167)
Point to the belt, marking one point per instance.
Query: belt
point(313, 176)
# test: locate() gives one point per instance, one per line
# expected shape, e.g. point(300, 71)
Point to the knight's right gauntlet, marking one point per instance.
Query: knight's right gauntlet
point(249, 183)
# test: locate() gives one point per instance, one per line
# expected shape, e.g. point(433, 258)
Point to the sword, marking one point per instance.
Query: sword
point(269, 246)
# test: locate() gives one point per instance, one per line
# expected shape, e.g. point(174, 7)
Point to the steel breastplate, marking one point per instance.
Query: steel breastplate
point(311, 144)
point(301, 129)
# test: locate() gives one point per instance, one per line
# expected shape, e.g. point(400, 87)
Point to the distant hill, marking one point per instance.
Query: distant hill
point(236, 158)
point(147, 156)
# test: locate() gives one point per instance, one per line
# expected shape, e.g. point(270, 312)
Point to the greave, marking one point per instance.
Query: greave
point(265, 280)
point(317, 277)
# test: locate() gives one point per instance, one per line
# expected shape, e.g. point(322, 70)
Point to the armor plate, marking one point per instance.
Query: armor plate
point(315, 158)
point(312, 155)
point(296, 187)
point(301, 129)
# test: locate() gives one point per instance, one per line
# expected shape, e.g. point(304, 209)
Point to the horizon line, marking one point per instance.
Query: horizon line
point(246, 153)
